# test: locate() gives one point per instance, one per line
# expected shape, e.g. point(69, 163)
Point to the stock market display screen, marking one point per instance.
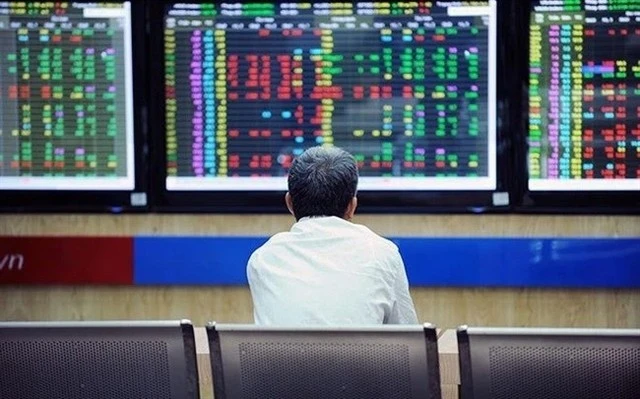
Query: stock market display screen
point(584, 101)
point(66, 96)
point(407, 87)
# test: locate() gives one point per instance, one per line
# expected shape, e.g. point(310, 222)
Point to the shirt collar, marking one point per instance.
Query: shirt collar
point(304, 219)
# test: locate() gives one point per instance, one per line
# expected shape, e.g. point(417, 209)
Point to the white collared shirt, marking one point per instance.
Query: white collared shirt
point(329, 271)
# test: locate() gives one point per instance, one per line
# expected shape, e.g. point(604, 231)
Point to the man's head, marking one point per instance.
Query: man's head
point(323, 182)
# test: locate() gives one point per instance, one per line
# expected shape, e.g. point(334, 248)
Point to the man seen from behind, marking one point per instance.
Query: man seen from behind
point(327, 270)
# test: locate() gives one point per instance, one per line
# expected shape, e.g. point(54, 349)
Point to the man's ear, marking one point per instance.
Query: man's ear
point(289, 202)
point(351, 208)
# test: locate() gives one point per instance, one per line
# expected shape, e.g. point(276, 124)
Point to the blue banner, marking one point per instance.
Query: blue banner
point(435, 262)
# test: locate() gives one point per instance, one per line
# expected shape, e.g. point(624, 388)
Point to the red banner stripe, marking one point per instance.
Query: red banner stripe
point(66, 260)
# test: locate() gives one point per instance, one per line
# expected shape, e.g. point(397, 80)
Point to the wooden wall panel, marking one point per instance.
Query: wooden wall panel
point(396, 225)
point(445, 307)
point(230, 305)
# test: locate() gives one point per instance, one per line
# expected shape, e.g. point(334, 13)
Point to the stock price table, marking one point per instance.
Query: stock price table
point(407, 87)
point(65, 96)
point(584, 117)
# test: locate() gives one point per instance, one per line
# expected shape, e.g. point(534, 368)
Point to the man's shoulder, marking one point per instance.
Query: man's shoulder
point(273, 241)
point(376, 239)
point(358, 234)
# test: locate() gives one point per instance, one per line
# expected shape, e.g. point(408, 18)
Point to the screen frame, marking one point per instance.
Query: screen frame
point(552, 202)
point(103, 201)
point(464, 201)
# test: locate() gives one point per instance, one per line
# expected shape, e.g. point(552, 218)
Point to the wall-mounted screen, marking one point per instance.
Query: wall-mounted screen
point(578, 148)
point(66, 100)
point(584, 96)
point(409, 88)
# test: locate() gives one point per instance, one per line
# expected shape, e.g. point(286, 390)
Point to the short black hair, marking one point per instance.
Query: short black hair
point(322, 182)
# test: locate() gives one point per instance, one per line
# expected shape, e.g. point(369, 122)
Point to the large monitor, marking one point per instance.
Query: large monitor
point(98, 360)
point(409, 88)
point(550, 363)
point(68, 130)
point(322, 362)
point(583, 79)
